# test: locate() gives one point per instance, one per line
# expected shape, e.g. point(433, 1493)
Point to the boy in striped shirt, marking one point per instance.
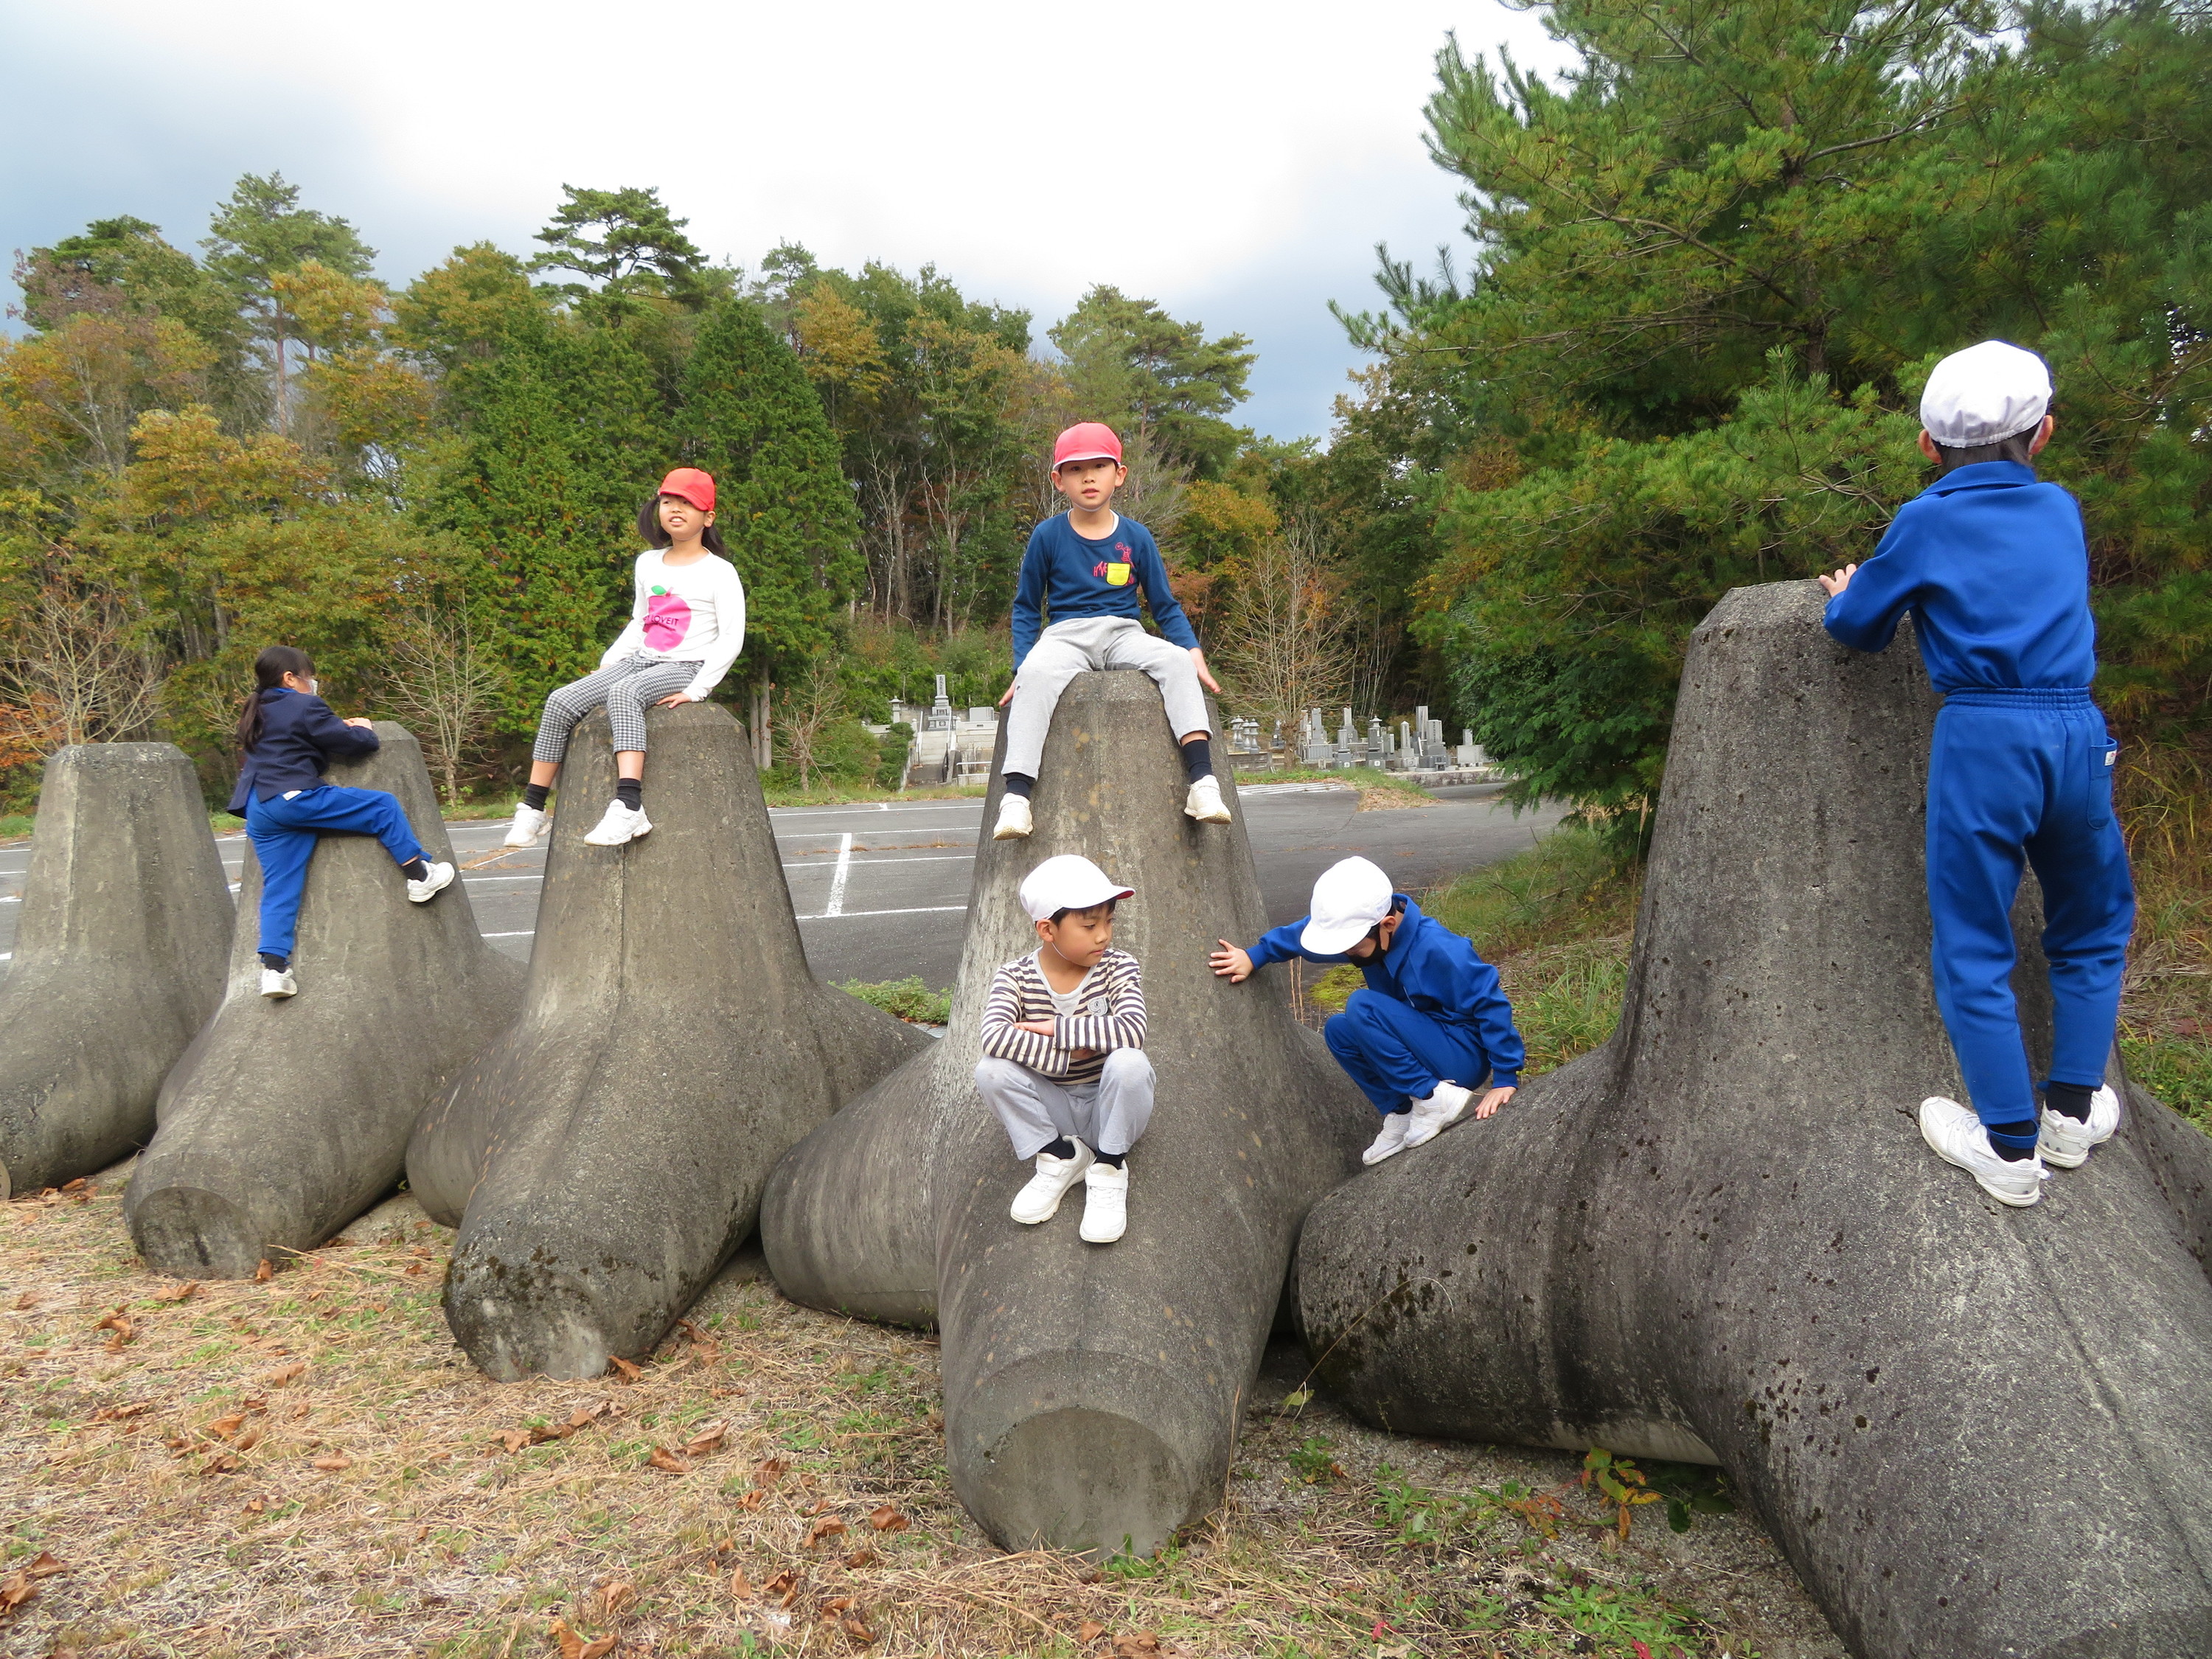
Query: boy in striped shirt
point(1064, 1063)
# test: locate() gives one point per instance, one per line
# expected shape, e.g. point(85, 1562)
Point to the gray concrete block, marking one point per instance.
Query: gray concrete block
point(118, 962)
point(1092, 1393)
point(603, 1157)
point(287, 1119)
point(1974, 1429)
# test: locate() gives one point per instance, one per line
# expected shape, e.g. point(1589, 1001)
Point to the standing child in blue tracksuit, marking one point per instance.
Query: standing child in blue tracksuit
point(287, 735)
point(1994, 567)
point(1432, 1022)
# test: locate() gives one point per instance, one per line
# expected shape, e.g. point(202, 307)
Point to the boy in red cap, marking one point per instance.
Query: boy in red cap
point(1086, 567)
point(687, 624)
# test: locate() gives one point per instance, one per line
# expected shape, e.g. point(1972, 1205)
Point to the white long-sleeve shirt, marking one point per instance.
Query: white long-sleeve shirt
point(691, 612)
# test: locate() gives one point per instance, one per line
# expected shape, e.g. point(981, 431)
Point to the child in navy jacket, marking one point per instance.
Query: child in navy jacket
point(1432, 1023)
point(1994, 567)
point(1086, 566)
point(287, 735)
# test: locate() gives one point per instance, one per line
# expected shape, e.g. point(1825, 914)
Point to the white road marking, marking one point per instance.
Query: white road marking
point(854, 915)
point(527, 933)
point(837, 905)
point(926, 857)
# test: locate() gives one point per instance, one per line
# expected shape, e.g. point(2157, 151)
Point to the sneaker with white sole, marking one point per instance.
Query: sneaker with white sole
point(1204, 801)
point(1014, 821)
point(1392, 1140)
point(436, 878)
point(621, 825)
point(1956, 1136)
point(1430, 1117)
point(278, 982)
point(528, 827)
point(1039, 1201)
point(1105, 1203)
point(2068, 1144)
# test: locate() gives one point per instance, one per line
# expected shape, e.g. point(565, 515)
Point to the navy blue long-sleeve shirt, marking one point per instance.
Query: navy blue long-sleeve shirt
point(1430, 968)
point(300, 736)
point(1071, 575)
point(1994, 567)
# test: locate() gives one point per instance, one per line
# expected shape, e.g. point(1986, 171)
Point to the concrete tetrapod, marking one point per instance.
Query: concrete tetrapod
point(1092, 1394)
point(288, 1118)
point(1974, 1429)
point(118, 962)
point(603, 1157)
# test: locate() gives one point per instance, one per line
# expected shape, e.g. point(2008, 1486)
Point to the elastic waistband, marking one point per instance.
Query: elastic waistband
point(2040, 696)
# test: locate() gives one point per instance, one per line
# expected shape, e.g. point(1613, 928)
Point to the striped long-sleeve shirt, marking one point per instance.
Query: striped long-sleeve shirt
point(1109, 1014)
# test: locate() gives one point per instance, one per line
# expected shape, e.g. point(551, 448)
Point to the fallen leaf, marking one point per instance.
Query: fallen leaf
point(333, 1461)
point(27, 1299)
point(831, 1608)
point(750, 1501)
point(584, 1416)
point(593, 1649)
point(862, 1635)
point(826, 1526)
point(282, 1374)
point(709, 1438)
point(667, 1461)
point(256, 1506)
point(773, 1469)
point(862, 1556)
point(1089, 1631)
point(1137, 1644)
point(614, 1595)
point(514, 1439)
point(121, 1414)
point(14, 1592)
point(740, 1586)
point(43, 1566)
point(573, 1646)
point(221, 1463)
point(886, 1517)
point(629, 1373)
point(784, 1586)
point(250, 1439)
point(179, 1293)
point(263, 1272)
point(224, 1427)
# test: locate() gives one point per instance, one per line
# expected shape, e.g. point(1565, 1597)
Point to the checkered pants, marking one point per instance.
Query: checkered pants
point(627, 688)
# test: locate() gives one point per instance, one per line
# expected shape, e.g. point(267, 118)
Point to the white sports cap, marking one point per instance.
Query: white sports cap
point(1067, 882)
point(1349, 899)
point(1985, 394)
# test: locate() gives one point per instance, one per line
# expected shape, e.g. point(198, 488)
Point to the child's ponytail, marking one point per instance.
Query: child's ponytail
point(269, 671)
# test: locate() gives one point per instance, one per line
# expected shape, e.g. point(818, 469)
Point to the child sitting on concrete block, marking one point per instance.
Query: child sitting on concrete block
point(1064, 1063)
point(1994, 567)
point(1086, 566)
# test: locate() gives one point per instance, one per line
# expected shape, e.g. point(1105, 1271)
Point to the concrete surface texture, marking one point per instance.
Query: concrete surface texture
point(118, 958)
point(1091, 1393)
point(603, 1156)
point(286, 1119)
point(1974, 1429)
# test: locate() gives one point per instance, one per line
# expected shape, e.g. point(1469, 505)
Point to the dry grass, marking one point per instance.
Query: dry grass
point(2166, 1009)
point(306, 1466)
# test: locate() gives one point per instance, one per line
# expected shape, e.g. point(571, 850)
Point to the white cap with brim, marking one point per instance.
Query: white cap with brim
point(1348, 900)
point(1067, 882)
point(1985, 394)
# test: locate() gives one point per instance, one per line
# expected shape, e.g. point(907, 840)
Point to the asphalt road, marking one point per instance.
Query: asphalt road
point(882, 891)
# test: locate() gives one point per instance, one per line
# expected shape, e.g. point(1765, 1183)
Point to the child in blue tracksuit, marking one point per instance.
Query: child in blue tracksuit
point(1994, 567)
point(287, 734)
point(1432, 1022)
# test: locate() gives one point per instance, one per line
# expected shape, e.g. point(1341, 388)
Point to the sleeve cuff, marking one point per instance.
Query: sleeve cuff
point(1506, 1080)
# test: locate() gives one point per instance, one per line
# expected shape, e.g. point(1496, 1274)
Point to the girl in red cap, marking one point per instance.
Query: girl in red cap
point(687, 624)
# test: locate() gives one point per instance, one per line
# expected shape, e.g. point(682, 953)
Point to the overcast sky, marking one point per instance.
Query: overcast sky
point(1236, 162)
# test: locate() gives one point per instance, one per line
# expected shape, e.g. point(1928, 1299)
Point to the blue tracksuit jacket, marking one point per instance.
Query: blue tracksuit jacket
point(1071, 576)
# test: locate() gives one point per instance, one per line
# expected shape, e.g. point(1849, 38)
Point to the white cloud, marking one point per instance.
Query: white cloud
point(1234, 162)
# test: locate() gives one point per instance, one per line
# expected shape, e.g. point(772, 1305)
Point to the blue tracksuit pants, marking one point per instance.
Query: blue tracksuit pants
point(2014, 775)
point(284, 830)
point(1395, 1053)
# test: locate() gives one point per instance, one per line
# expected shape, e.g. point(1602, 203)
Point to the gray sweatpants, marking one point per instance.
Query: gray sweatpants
point(1066, 649)
point(1107, 1115)
point(627, 688)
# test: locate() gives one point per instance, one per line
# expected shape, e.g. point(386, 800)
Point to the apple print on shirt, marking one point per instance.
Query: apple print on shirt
point(667, 620)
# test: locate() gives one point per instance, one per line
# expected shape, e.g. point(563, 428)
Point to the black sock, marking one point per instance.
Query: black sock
point(533, 795)
point(630, 792)
point(1112, 1160)
point(1400, 1111)
point(2013, 1142)
point(2069, 1100)
point(1020, 783)
point(1197, 759)
point(415, 870)
point(1062, 1147)
point(280, 964)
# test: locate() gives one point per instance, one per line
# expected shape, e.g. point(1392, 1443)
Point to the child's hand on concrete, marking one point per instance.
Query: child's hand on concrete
point(1230, 963)
point(1198, 661)
point(1493, 1101)
point(1836, 584)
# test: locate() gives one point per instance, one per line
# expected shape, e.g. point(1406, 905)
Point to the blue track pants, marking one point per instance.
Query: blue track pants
point(1395, 1053)
point(284, 830)
point(2017, 775)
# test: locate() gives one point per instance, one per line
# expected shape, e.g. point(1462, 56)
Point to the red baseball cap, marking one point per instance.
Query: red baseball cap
point(693, 485)
point(1086, 440)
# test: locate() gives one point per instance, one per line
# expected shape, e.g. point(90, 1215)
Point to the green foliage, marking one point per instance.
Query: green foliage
point(908, 999)
point(1315, 1460)
point(1138, 367)
point(639, 246)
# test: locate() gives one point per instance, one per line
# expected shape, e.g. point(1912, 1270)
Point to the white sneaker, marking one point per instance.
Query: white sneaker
point(278, 982)
point(528, 827)
point(1105, 1203)
point(619, 827)
point(2068, 1144)
point(1039, 1201)
point(1204, 801)
point(1392, 1140)
point(436, 880)
point(1014, 821)
point(1430, 1117)
point(1957, 1137)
